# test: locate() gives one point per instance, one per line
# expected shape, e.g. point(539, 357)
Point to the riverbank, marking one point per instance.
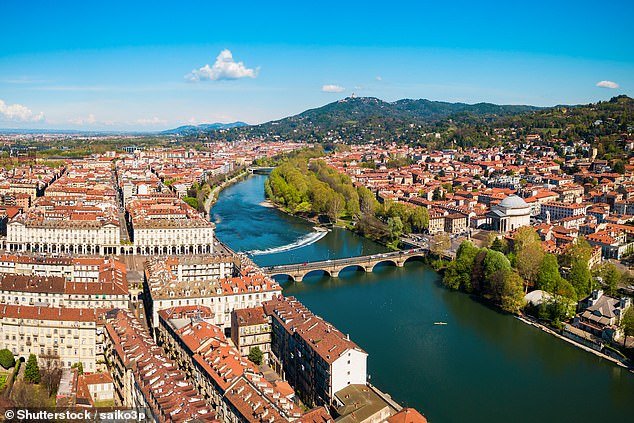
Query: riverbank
point(316, 223)
point(532, 322)
point(215, 192)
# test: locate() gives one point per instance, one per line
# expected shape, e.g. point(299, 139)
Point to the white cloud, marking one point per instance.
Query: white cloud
point(18, 113)
point(151, 121)
point(332, 88)
point(88, 120)
point(607, 84)
point(224, 68)
point(378, 78)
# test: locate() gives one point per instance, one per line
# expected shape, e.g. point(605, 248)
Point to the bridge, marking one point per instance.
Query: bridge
point(332, 268)
point(260, 169)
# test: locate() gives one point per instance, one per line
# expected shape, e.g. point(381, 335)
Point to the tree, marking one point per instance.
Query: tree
point(193, 202)
point(494, 261)
point(255, 355)
point(335, 205)
point(6, 358)
point(507, 290)
point(627, 323)
point(79, 366)
point(529, 254)
point(25, 395)
point(548, 275)
point(395, 227)
point(439, 244)
point(367, 200)
point(458, 272)
point(579, 277)
point(51, 374)
point(419, 219)
point(526, 235)
point(611, 278)
point(619, 167)
point(556, 309)
point(501, 245)
point(528, 261)
point(32, 370)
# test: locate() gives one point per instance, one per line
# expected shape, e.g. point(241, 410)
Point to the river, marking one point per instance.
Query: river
point(482, 366)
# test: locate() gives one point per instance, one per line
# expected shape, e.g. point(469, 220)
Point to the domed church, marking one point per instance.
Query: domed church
point(511, 213)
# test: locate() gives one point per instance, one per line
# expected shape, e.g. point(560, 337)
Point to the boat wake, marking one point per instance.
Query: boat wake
point(307, 239)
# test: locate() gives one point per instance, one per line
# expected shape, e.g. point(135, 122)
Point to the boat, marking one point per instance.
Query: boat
point(440, 323)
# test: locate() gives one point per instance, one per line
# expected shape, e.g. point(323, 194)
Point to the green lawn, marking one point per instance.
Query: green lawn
point(104, 403)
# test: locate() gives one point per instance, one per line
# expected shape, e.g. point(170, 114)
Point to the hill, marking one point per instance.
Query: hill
point(437, 124)
point(189, 130)
point(368, 118)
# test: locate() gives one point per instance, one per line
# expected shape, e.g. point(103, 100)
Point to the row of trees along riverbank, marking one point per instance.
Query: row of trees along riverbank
point(305, 185)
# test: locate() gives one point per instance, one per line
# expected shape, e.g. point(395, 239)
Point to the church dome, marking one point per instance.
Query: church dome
point(513, 202)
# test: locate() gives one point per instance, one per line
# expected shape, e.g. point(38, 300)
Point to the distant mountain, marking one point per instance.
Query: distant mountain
point(362, 110)
point(364, 118)
point(188, 130)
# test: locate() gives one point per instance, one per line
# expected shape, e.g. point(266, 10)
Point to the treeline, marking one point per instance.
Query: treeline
point(503, 273)
point(311, 187)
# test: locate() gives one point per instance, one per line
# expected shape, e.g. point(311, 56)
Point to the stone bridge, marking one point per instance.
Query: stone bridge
point(298, 271)
point(260, 169)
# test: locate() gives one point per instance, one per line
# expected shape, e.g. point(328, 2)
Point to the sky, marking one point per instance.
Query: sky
point(130, 66)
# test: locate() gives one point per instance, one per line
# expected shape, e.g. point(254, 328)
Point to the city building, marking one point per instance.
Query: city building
point(167, 225)
point(209, 283)
point(65, 335)
point(233, 385)
point(511, 213)
point(251, 327)
point(555, 210)
point(601, 315)
point(316, 358)
point(145, 378)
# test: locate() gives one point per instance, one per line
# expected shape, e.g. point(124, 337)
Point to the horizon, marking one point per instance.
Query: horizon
point(149, 67)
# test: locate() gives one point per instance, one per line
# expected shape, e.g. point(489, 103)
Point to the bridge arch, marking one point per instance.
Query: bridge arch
point(383, 262)
point(317, 272)
point(416, 257)
point(287, 275)
point(355, 267)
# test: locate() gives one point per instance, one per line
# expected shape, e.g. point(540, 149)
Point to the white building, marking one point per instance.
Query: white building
point(67, 335)
point(511, 213)
point(173, 282)
point(63, 236)
point(316, 358)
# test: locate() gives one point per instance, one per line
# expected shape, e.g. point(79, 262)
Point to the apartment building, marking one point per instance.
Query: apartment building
point(77, 215)
point(54, 291)
point(63, 282)
point(145, 377)
point(219, 290)
point(168, 225)
point(234, 386)
point(251, 327)
point(316, 358)
point(558, 210)
point(65, 335)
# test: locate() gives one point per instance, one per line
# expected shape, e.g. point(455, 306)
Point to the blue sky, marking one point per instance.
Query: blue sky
point(155, 65)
